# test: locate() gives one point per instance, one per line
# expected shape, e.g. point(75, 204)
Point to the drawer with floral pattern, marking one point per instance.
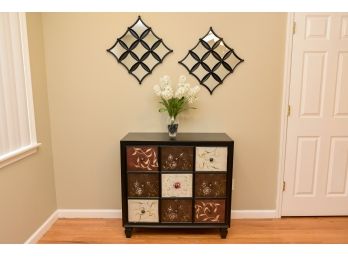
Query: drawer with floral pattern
point(142, 158)
point(176, 185)
point(143, 185)
point(211, 158)
point(142, 210)
point(176, 210)
point(209, 211)
point(210, 185)
point(177, 158)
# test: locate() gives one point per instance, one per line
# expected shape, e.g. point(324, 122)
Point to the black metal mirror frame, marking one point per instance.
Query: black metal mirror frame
point(150, 50)
point(210, 71)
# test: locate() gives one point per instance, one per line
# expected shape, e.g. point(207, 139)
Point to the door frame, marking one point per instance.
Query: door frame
point(284, 111)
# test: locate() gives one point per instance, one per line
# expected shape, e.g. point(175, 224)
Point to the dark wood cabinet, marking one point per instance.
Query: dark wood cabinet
point(181, 183)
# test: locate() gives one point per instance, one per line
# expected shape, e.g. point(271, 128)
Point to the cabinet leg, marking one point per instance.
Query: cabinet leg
point(128, 232)
point(223, 233)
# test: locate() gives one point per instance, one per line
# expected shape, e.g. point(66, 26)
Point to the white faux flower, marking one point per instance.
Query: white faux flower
point(197, 89)
point(181, 91)
point(182, 79)
point(194, 91)
point(192, 94)
point(167, 93)
point(190, 99)
point(157, 90)
point(164, 81)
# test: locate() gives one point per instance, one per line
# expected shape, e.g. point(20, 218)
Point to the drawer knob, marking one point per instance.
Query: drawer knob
point(211, 159)
point(177, 185)
point(142, 211)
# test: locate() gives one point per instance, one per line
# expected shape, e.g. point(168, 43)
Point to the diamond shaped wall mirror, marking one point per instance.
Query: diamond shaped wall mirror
point(211, 61)
point(139, 50)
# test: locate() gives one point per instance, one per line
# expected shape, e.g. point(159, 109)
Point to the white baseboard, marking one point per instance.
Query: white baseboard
point(90, 213)
point(254, 214)
point(34, 238)
point(117, 214)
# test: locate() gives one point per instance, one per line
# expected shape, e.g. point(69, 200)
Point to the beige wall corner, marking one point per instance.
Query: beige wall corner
point(27, 188)
point(94, 102)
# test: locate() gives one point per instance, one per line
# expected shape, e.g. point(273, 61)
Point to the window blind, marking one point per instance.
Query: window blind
point(17, 121)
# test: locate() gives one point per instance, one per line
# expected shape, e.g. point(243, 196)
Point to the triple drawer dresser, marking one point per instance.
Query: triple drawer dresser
point(180, 183)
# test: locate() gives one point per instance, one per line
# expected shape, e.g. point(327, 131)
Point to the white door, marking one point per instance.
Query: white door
point(316, 164)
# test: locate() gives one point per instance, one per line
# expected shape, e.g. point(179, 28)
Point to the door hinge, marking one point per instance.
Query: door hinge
point(283, 186)
point(289, 110)
point(294, 27)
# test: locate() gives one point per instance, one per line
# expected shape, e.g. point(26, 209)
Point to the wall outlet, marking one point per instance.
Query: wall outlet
point(233, 184)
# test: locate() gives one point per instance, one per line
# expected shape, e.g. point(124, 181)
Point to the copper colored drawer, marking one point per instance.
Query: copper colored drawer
point(176, 210)
point(210, 185)
point(177, 158)
point(210, 211)
point(142, 158)
point(143, 185)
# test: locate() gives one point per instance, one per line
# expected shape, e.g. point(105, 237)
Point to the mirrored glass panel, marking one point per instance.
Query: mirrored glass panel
point(139, 50)
point(211, 61)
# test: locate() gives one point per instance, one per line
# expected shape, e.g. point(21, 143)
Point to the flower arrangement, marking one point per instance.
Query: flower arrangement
point(175, 102)
point(178, 101)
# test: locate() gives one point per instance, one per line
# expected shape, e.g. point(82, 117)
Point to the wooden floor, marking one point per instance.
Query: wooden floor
point(285, 230)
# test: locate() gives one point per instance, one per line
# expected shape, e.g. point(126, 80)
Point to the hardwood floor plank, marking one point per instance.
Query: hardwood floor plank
point(285, 230)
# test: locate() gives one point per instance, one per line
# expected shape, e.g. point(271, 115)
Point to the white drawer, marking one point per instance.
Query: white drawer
point(143, 210)
point(176, 185)
point(211, 158)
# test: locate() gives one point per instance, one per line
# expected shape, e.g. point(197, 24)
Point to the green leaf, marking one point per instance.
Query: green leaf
point(174, 106)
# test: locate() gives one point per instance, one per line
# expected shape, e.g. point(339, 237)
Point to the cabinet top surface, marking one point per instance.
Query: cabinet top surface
point(181, 137)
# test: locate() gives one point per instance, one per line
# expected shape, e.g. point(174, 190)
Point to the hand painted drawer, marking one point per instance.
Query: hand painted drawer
point(176, 185)
point(177, 158)
point(211, 158)
point(209, 211)
point(143, 210)
point(142, 158)
point(143, 185)
point(210, 185)
point(176, 211)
